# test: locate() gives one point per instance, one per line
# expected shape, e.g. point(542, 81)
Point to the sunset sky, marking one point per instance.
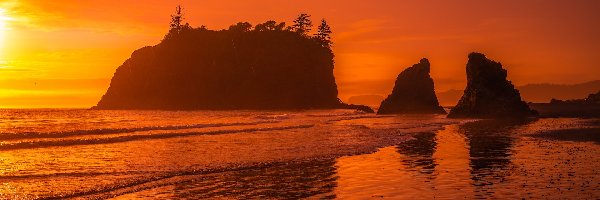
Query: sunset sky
point(62, 53)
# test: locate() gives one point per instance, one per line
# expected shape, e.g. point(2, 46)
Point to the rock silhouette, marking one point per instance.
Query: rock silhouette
point(587, 107)
point(238, 68)
point(488, 93)
point(413, 93)
point(544, 92)
point(538, 92)
point(370, 100)
point(593, 98)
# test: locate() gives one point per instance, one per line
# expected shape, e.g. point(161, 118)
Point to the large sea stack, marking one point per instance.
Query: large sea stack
point(488, 94)
point(238, 68)
point(413, 93)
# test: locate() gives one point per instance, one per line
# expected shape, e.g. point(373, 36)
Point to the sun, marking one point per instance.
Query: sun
point(4, 19)
point(4, 26)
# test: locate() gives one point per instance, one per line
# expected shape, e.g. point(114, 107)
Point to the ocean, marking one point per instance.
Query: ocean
point(101, 154)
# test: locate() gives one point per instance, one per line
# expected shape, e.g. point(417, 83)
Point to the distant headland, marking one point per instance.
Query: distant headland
point(265, 66)
point(587, 107)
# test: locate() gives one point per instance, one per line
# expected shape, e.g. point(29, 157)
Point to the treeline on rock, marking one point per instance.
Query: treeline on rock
point(266, 66)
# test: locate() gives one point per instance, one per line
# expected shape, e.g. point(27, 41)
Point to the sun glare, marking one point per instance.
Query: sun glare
point(4, 26)
point(4, 19)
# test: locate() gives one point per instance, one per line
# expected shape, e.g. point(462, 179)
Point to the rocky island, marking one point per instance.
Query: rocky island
point(488, 93)
point(267, 66)
point(413, 93)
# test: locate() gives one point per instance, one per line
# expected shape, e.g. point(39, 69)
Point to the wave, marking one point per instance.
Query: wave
point(336, 114)
point(103, 131)
point(274, 117)
point(127, 138)
point(66, 174)
point(344, 118)
point(175, 177)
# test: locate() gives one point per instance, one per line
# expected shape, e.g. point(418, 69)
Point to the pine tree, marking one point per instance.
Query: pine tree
point(177, 19)
point(324, 34)
point(302, 24)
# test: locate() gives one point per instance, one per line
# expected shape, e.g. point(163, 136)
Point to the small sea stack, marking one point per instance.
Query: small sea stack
point(488, 93)
point(413, 93)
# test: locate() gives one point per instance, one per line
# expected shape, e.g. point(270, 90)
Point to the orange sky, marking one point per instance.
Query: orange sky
point(62, 53)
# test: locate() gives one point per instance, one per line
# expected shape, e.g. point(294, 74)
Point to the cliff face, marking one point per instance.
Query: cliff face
point(228, 69)
point(413, 93)
point(488, 94)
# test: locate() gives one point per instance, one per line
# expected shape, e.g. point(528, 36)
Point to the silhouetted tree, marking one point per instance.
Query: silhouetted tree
point(177, 19)
point(267, 26)
point(176, 25)
point(270, 26)
point(302, 24)
point(280, 26)
point(323, 34)
point(241, 27)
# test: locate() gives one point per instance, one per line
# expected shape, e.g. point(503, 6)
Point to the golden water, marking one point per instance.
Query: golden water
point(283, 155)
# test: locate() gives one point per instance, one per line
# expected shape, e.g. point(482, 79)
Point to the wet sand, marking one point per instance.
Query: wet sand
point(89, 153)
point(290, 155)
point(481, 160)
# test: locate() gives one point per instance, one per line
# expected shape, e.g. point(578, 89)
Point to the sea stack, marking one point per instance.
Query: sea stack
point(413, 93)
point(488, 94)
point(238, 68)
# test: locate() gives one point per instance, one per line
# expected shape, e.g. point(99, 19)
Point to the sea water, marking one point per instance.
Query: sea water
point(78, 153)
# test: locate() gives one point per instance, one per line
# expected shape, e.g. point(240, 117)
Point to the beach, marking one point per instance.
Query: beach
point(78, 153)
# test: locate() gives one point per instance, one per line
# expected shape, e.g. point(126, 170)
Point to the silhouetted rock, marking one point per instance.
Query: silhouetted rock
point(413, 93)
point(588, 107)
point(594, 98)
point(591, 99)
point(370, 100)
point(544, 92)
point(538, 93)
point(488, 94)
point(239, 68)
point(363, 108)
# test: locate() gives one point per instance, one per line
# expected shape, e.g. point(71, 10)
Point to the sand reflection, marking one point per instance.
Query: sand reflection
point(486, 159)
point(474, 160)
